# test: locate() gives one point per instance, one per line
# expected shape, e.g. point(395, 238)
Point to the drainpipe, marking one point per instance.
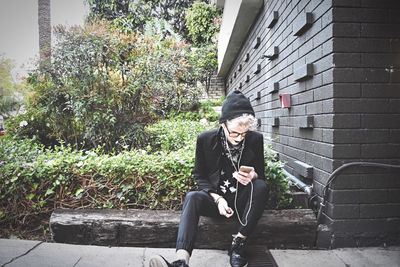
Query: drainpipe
point(298, 183)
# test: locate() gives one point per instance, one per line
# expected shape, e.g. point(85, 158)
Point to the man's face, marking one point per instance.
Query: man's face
point(235, 133)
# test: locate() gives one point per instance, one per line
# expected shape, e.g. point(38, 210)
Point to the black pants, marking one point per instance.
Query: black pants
point(200, 203)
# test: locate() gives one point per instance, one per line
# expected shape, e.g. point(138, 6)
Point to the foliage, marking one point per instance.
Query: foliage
point(35, 180)
point(172, 135)
point(278, 184)
point(105, 86)
point(132, 15)
point(203, 23)
point(10, 93)
point(203, 111)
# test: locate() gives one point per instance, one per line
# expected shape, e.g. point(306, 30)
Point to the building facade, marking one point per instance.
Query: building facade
point(324, 79)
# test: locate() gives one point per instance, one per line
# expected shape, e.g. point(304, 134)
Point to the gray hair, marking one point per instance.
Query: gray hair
point(246, 120)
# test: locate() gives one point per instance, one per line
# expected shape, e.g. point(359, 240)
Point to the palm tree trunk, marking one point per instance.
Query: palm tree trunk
point(44, 21)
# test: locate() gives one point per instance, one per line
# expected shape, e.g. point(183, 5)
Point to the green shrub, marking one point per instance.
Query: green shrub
point(170, 135)
point(34, 180)
point(279, 187)
point(104, 86)
point(203, 110)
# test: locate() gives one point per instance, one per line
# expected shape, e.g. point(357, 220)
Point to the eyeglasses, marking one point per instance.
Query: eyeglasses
point(235, 134)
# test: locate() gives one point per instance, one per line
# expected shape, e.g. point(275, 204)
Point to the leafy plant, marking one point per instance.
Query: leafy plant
point(278, 184)
point(172, 135)
point(203, 23)
point(105, 86)
point(10, 92)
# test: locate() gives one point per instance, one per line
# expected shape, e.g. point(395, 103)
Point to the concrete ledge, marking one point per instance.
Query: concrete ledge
point(151, 228)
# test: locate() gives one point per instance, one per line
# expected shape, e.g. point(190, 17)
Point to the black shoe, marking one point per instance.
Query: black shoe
point(160, 261)
point(237, 252)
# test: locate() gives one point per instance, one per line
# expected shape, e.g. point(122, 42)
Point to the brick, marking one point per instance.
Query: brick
point(273, 87)
point(304, 97)
point(377, 151)
point(346, 3)
point(321, 93)
point(303, 169)
point(344, 196)
point(348, 151)
point(361, 106)
point(346, 29)
point(304, 72)
point(394, 136)
point(319, 162)
point(302, 23)
point(347, 181)
point(361, 45)
point(295, 153)
point(272, 53)
point(314, 108)
point(379, 30)
point(343, 211)
point(380, 4)
point(366, 226)
point(258, 95)
point(373, 75)
point(275, 122)
point(379, 60)
point(375, 181)
point(379, 210)
point(347, 90)
point(257, 42)
point(346, 14)
point(304, 48)
point(272, 19)
point(257, 69)
point(389, 121)
point(348, 75)
point(322, 39)
point(304, 122)
point(246, 57)
point(380, 90)
point(374, 196)
point(323, 121)
point(359, 136)
point(347, 121)
point(328, 106)
point(393, 195)
point(347, 60)
point(394, 75)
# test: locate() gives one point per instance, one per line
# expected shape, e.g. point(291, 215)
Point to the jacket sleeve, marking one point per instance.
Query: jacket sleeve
point(199, 172)
point(259, 161)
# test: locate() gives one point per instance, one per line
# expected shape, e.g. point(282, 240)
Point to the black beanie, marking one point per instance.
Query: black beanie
point(235, 105)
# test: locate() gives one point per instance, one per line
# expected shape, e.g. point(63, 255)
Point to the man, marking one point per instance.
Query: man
point(229, 172)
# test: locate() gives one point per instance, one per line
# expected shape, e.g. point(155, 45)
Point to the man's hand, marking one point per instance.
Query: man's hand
point(245, 177)
point(223, 208)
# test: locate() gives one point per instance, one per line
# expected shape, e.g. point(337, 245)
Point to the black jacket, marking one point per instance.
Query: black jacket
point(208, 157)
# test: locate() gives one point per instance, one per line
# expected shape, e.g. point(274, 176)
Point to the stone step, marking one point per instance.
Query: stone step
point(294, 228)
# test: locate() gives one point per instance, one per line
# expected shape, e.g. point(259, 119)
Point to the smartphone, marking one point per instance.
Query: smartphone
point(246, 168)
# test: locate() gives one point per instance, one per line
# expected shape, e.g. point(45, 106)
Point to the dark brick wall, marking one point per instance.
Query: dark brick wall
point(339, 60)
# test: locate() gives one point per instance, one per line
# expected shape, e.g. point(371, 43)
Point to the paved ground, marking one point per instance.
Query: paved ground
point(34, 254)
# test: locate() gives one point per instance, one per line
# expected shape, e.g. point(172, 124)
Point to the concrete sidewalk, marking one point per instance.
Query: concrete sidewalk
point(34, 254)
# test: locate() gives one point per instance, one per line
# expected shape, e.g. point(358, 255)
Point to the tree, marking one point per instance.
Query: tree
point(134, 14)
point(203, 23)
point(44, 21)
point(8, 97)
